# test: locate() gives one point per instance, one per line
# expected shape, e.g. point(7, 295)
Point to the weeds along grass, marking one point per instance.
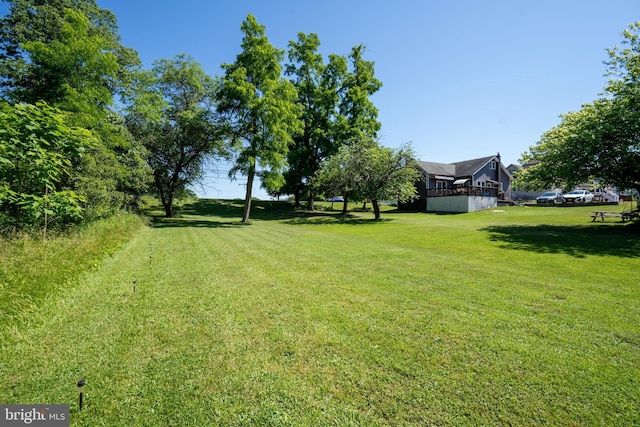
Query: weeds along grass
point(514, 316)
point(32, 269)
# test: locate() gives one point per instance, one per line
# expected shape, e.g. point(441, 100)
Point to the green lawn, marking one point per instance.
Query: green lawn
point(511, 316)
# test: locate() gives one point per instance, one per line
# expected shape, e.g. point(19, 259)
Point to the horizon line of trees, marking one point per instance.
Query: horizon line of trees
point(86, 130)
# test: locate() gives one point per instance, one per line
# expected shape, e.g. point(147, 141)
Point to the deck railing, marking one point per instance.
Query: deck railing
point(463, 191)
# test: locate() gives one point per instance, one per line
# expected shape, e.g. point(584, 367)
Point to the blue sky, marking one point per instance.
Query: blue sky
point(461, 79)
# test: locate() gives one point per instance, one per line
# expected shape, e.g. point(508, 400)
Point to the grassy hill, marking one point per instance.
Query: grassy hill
point(510, 316)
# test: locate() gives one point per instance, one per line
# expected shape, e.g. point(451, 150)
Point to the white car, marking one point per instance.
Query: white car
point(578, 196)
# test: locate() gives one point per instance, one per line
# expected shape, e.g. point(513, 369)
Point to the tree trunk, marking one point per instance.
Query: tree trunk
point(376, 209)
point(166, 197)
point(247, 197)
point(311, 201)
point(364, 205)
point(344, 205)
point(167, 201)
point(168, 207)
point(296, 197)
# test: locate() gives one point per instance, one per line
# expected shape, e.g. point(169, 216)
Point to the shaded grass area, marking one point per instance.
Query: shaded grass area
point(321, 319)
point(227, 213)
point(579, 241)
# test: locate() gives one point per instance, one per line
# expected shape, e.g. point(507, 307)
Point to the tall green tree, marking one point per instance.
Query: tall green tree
point(336, 105)
point(260, 106)
point(318, 86)
point(37, 150)
point(84, 42)
point(359, 115)
point(67, 53)
point(358, 120)
point(369, 171)
point(601, 140)
point(73, 72)
point(113, 174)
point(172, 112)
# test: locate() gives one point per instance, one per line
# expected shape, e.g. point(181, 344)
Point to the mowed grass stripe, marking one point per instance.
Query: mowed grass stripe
point(339, 321)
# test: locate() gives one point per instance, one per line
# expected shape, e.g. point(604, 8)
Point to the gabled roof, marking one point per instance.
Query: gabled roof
point(438, 168)
point(470, 167)
point(464, 168)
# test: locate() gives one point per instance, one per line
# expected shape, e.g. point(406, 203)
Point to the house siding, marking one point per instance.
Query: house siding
point(420, 203)
point(460, 203)
point(484, 174)
point(439, 176)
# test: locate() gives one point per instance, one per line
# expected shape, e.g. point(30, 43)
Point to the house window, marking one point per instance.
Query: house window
point(440, 185)
point(492, 165)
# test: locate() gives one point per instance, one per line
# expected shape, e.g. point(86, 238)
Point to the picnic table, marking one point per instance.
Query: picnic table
point(626, 216)
point(604, 214)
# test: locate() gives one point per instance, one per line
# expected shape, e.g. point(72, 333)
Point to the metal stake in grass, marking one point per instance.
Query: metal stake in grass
point(134, 286)
point(81, 384)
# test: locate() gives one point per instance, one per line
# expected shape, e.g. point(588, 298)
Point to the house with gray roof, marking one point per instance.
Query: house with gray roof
point(465, 186)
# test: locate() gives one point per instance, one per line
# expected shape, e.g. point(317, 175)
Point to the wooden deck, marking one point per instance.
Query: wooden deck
point(463, 191)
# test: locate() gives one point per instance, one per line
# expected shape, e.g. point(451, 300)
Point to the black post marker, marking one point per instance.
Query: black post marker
point(80, 386)
point(134, 286)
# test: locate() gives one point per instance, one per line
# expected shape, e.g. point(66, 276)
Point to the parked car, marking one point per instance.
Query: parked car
point(550, 197)
point(578, 196)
